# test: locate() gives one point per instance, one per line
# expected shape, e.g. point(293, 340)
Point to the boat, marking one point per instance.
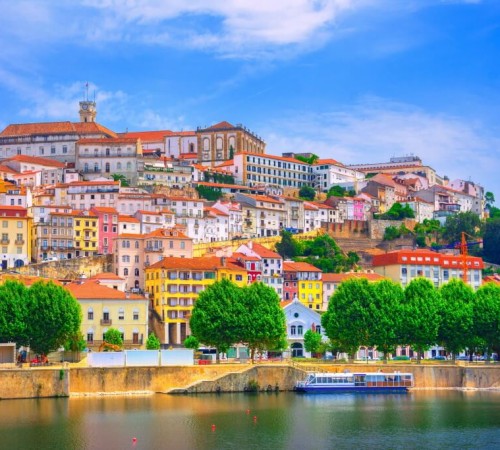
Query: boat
point(370, 382)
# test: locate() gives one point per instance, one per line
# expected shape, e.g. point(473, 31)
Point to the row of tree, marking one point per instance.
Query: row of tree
point(384, 315)
point(225, 314)
point(44, 316)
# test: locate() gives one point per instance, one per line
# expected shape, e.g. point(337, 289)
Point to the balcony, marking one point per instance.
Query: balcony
point(106, 322)
point(5, 241)
point(154, 249)
point(19, 242)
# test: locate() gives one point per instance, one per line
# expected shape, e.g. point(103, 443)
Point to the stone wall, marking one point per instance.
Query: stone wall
point(34, 383)
point(377, 227)
point(53, 382)
point(350, 229)
point(69, 268)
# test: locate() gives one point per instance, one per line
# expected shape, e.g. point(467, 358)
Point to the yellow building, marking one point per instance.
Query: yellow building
point(173, 285)
point(85, 233)
point(104, 307)
point(15, 237)
point(303, 280)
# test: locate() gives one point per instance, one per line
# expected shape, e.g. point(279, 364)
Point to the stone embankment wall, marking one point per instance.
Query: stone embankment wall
point(53, 382)
point(377, 226)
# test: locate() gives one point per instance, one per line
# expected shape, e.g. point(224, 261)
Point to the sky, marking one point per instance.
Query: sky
point(358, 81)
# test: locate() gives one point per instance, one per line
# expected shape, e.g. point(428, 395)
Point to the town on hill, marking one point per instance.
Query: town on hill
point(136, 225)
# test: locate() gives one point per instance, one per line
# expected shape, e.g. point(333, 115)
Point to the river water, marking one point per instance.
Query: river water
point(420, 419)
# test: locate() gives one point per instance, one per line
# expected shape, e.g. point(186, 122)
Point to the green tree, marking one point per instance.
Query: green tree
point(487, 315)
point(420, 315)
point(455, 330)
point(489, 197)
point(13, 312)
point(192, 342)
point(75, 343)
point(391, 233)
point(386, 315)
point(336, 191)
point(153, 343)
point(52, 316)
point(467, 222)
point(209, 193)
point(312, 341)
point(114, 337)
point(263, 320)
point(491, 241)
point(121, 178)
point(347, 320)
point(307, 193)
point(231, 152)
point(216, 317)
point(288, 247)
point(494, 213)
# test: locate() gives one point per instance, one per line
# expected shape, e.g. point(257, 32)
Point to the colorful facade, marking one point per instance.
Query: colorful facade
point(15, 243)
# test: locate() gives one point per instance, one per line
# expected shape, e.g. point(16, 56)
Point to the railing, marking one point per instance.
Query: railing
point(106, 321)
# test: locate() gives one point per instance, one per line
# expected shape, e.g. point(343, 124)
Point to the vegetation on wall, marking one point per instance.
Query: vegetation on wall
point(209, 193)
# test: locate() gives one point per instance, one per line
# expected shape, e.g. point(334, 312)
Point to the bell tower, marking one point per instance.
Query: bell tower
point(87, 107)
point(87, 111)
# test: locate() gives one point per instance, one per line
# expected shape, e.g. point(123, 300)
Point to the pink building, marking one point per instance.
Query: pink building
point(107, 223)
point(359, 209)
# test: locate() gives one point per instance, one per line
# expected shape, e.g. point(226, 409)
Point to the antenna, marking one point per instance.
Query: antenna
point(94, 95)
point(87, 91)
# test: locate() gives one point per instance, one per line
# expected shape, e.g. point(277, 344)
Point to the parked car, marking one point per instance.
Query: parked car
point(50, 258)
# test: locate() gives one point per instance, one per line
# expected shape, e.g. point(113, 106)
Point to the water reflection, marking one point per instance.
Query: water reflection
point(266, 421)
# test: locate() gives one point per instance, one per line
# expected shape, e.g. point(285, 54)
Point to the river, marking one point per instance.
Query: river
point(420, 419)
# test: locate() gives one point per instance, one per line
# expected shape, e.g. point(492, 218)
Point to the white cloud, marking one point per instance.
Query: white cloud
point(374, 130)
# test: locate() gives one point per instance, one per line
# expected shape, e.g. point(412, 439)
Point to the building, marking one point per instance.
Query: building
point(300, 319)
point(263, 215)
point(133, 253)
point(49, 171)
point(104, 307)
point(16, 236)
point(328, 172)
point(223, 141)
point(174, 284)
point(107, 225)
point(303, 280)
point(402, 266)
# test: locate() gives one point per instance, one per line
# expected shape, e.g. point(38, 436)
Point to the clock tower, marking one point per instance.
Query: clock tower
point(87, 111)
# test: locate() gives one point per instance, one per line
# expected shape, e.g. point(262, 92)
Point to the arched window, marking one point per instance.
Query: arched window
point(136, 244)
point(136, 271)
point(125, 272)
point(90, 314)
point(135, 314)
point(119, 166)
point(107, 167)
point(90, 336)
point(121, 314)
point(96, 167)
point(206, 144)
point(218, 144)
point(129, 165)
point(122, 333)
point(86, 167)
point(299, 330)
point(293, 330)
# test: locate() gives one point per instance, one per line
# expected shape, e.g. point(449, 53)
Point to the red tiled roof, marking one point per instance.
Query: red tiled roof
point(107, 141)
point(339, 277)
point(264, 252)
point(328, 161)
point(200, 263)
point(425, 257)
point(92, 289)
point(106, 276)
point(147, 136)
point(220, 125)
point(292, 266)
point(37, 160)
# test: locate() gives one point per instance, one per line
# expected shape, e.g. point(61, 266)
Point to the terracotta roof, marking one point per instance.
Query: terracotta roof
point(264, 198)
point(228, 163)
point(12, 208)
point(201, 263)
point(41, 128)
point(425, 257)
point(244, 257)
point(332, 162)
point(125, 218)
point(106, 276)
point(104, 209)
point(92, 289)
point(188, 156)
point(7, 169)
point(383, 179)
point(495, 278)
point(37, 160)
point(166, 233)
point(220, 125)
point(292, 266)
point(264, 252)
point(147, 136)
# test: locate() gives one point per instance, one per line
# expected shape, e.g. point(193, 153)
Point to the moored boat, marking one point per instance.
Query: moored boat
point(327, 383)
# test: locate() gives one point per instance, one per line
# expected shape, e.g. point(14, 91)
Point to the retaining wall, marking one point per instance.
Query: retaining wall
point(53, 382)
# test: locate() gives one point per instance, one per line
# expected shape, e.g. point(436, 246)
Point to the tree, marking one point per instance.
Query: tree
point(491, 241)
point(209, 193)
point(489, 197)
point(75, 343)
point(114, 337)
point(153, 343)
point(121, 178)
point(467, 222)
point(216, 316)
point(312, 341)
point(263, 320)
point(53, 316)
point(347, 320)
point(13, 312)
point(391, 233)
point(288, 247)
point(336, 191)
point(307, 193)
point(455, 329)
point(192, 343)
point(487, 315)
point(385, 311)
point(231, 152)
point(420, 318)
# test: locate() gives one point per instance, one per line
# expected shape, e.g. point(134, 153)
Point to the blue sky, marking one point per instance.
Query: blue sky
point(354, 80)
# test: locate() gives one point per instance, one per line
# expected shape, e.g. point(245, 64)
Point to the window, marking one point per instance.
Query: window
point(299, 330)
point(90, 314)
point(125, 272)
point(293, 330)
point(121, 314)
point(90, 337)
point(135, 314)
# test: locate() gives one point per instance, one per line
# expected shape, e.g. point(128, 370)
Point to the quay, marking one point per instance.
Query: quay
point(73, 380)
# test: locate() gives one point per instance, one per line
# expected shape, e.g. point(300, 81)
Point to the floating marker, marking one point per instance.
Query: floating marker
point(213, 427)
point(134, 440)
point(248, 411)
point(254, 418)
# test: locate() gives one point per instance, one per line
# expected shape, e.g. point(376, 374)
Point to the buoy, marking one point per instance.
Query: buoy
point(134, 440)
point(213, 427)
point(248, 411)
point(254, 418)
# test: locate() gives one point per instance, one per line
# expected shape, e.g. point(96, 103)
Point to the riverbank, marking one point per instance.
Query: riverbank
point(85, 381)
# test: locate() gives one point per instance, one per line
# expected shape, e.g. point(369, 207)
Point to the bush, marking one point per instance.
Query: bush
point(252, 386)
point(401, 358)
